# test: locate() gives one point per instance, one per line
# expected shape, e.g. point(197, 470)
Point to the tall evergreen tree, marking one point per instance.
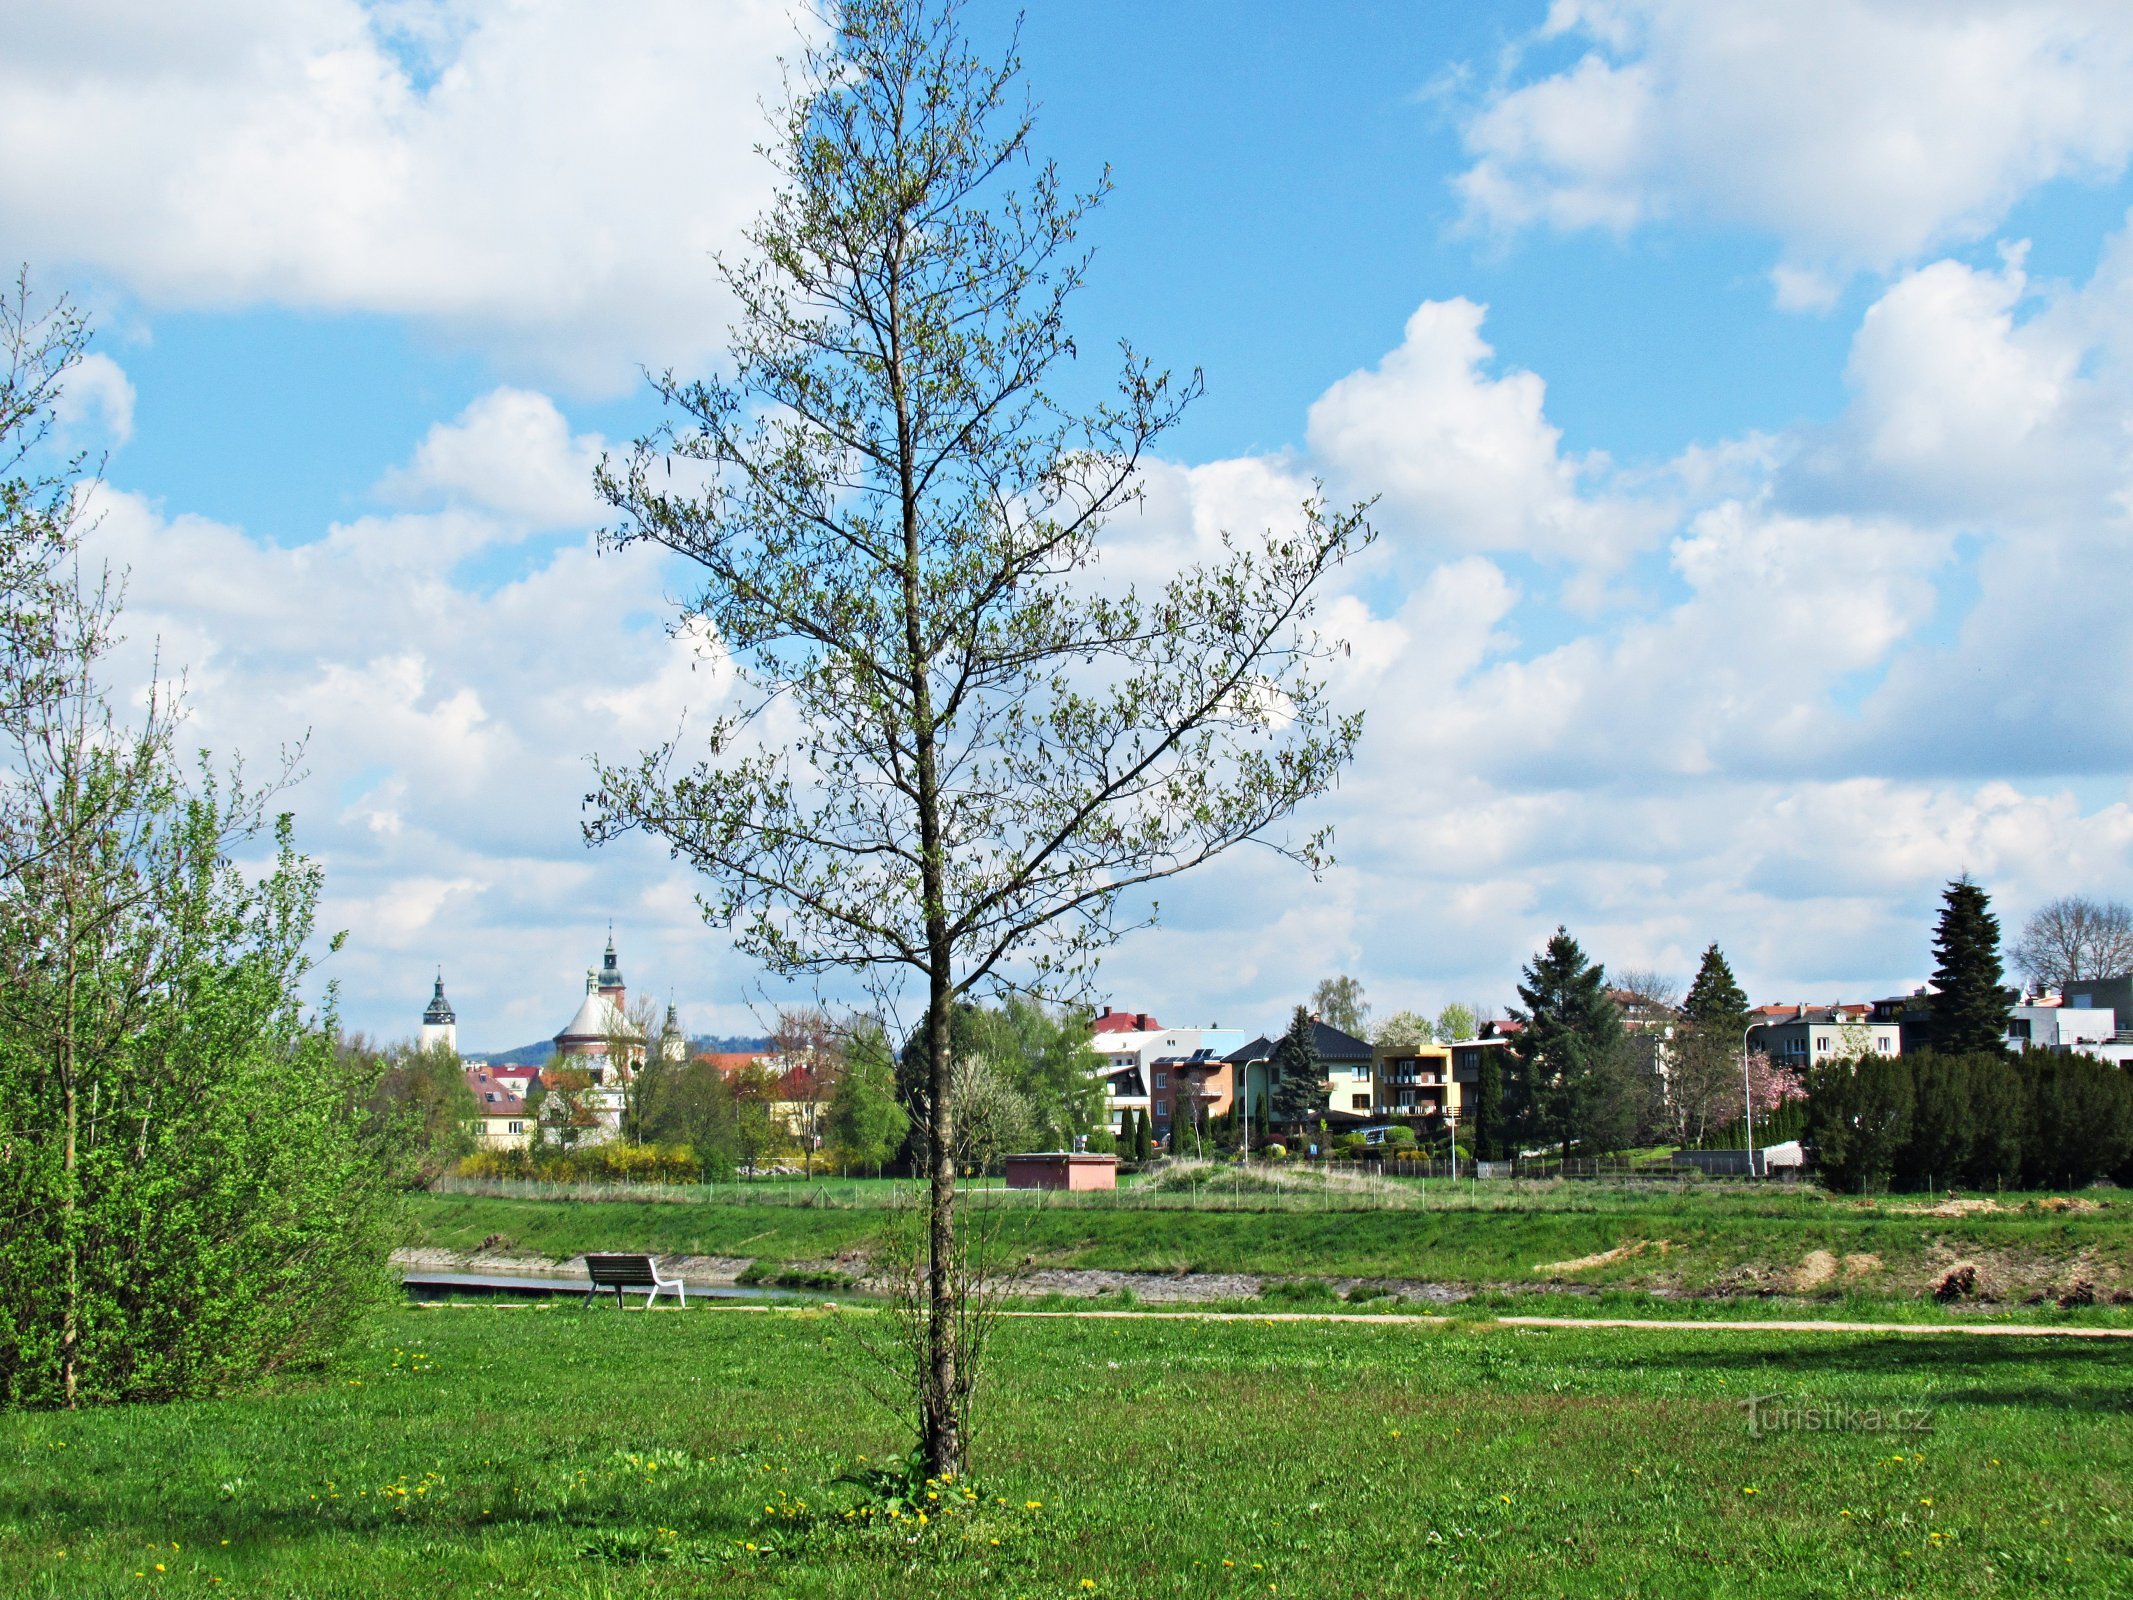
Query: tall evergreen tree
point(1970, 1005)
point(1299, 1074)
point(1487, 1128)
point(1574, 1074)
point(1715, 1001)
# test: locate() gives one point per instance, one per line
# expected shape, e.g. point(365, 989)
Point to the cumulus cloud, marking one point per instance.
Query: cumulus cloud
point(447, 732)
point(97, 400)
point(511, 452)
point(549, 180)
point(1465, 460)
point(1860, 133)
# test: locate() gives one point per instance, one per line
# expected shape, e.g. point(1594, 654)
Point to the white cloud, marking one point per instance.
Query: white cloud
point(98, 398)
point(449, 728)
point(511, 452)
point(1466, 461)
point(547, 179)
point(1860, 133)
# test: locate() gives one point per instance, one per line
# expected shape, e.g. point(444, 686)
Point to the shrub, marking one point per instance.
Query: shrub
point(1275, 1152)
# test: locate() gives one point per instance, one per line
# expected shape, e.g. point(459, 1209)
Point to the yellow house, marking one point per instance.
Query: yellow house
point(1415, 1080)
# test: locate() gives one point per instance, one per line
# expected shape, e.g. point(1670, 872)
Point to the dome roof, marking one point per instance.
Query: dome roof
point(439, 1010)
point(610, 969)
point(596, 1018)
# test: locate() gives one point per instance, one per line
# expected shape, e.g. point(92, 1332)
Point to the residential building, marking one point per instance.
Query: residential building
point(2061, 1027)
point(503, 1123)
point(1350, 1074)
point(1802, 1036)
point(2099, 994)
point(1416, 1081)
point(1168, 1074)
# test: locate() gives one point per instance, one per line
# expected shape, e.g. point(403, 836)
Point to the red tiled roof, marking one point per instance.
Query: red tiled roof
point(734, 1060)
point(1124, 1022)
point(497, 1097)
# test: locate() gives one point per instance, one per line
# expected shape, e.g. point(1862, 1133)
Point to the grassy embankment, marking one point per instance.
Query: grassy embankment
point(560, 1452)
point(1708, 1239)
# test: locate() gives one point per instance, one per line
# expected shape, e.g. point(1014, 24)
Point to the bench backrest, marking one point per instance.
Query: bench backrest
point(626, 1272)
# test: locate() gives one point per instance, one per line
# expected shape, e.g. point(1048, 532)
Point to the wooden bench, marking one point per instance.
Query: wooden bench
point(618, 1272)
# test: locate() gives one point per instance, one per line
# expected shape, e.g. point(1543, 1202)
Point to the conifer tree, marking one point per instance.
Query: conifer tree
point(1970, 1003)
point(1299, 1074)
point(1715, 1001)
point(1575, 1084)
point(1489, 1121)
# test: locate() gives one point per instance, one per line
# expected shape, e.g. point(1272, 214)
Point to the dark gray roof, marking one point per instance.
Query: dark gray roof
point(1331, 1043)
point(439, 1010)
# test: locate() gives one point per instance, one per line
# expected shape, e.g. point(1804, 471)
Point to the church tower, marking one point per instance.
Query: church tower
point(673, 1046)
point(611, 989)
point(439, 1025)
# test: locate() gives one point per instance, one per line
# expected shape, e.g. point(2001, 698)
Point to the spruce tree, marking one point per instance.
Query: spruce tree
point(1715, 1002)
point(1299, 1074)
point(1970, 1004)
point(1573, 1069)
point(1487, 1128)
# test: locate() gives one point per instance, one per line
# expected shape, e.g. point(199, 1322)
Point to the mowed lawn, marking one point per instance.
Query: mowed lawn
point(567, 1452)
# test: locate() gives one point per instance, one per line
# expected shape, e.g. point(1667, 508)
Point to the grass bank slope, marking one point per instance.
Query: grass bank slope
point(1697, 1239)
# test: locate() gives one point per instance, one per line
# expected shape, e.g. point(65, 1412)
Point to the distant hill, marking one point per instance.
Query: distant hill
point(532, 1055)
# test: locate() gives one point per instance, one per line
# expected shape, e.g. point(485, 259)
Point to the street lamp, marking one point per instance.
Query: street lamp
point(1747, 1095)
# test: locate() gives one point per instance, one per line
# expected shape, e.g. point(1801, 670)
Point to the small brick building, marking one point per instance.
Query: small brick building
point(1062, 1169)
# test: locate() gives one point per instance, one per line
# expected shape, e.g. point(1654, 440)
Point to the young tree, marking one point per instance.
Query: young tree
point(1649, 987)
point(423, 1099)
point(1455, 1024)
point(1402, 1029)
point(1970, 1004)
point(1299, 1073)
point(758, 1132)
point(193, 1188)
point(563, 1108)
point(982, 750)
point(1339, 1001)
point(693, 1105)
point(866, 1120)
point(2072, 938)
point(812, 1050)
point(1575, 1083)
point(992, 1116)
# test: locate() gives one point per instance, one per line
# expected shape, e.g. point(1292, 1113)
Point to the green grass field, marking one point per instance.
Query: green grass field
point(1695, 1239)
point(562, 1452)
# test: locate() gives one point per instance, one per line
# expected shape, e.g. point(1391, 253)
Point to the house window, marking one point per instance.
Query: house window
point(1162, 1080)
point(517, 1127)
point(1822, 1043)
point(1882, 1045)
point(491, 1098)
point(1162, 1112)
point(1361, 1102)
point(1359, 1074)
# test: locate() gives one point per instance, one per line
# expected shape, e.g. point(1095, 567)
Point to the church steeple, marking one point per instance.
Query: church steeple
point(440, 1024)
point(611, 989)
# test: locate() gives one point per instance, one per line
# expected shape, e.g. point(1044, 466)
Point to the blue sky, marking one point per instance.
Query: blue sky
point(1746, 389)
